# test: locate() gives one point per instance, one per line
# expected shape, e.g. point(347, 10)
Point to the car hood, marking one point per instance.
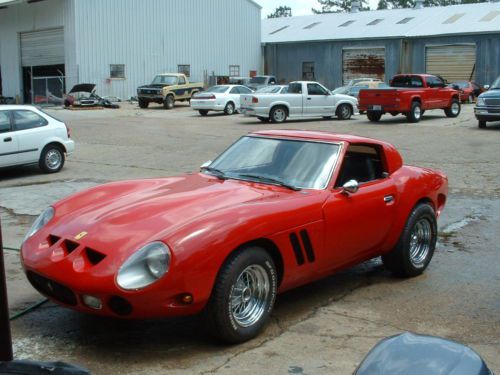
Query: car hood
point(83, 87)
point(129, 214)
point(492, 93)
point(154, 86)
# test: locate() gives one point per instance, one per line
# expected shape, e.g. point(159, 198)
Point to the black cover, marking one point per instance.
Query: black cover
point(83, 87)
point(40, 368)
point(411, 354)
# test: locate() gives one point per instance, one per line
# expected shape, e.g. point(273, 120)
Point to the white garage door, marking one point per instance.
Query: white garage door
point(41, 48)
point(453, 62)
point(363, 62)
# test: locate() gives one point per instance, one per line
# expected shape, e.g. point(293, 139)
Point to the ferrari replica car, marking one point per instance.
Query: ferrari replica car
point(276, 210)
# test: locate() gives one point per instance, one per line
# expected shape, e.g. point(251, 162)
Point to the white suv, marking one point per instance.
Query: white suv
point(29, 136)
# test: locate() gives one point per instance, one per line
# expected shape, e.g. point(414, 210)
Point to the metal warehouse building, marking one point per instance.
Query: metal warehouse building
point(457, 42)
point(49, 45)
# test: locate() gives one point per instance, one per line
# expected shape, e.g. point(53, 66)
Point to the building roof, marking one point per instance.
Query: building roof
point(393, 23)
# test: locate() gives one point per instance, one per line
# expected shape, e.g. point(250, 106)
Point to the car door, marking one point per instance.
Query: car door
point(319, 101)
point(31, 130)
point(9, 146)
point(241, 90)
point(434, 92)
point(357, 224)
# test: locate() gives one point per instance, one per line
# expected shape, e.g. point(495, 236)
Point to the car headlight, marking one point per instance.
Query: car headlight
point(40, 222)
point(480, 101)
point(144, 267)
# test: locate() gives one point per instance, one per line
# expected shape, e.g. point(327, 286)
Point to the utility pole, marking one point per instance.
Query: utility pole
point(5, 336)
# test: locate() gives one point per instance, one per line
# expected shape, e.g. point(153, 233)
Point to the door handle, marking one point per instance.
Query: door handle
point(309, 98)
point(389, 198)
point(8, 139)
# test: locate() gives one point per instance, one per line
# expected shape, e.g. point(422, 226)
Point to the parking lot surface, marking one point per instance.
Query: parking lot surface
point(323, 328)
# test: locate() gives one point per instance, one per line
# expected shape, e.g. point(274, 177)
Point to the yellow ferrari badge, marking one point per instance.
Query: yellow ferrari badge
point(79, 236)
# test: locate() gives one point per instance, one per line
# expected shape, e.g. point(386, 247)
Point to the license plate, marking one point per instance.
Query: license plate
point(376, 107)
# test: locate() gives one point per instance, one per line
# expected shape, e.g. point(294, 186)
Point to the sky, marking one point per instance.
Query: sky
point(299, 7)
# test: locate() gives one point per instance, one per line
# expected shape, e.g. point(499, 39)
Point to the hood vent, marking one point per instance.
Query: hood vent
point(94, 257)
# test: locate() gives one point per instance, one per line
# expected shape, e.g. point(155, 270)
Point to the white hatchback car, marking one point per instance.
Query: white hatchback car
point(30, 136)
point(219, 98)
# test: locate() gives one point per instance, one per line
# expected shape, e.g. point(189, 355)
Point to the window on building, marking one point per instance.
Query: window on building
point(117, 71)
point(347, 23)
point(308, 71)
point(278, 30)
point(312, 25)
point(454, 18)
point(234, 70)
point(375, 22)
point(184, 69)
point(405, 20)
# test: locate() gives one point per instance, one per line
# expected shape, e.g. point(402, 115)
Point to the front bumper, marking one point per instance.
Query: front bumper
point(487, 113)
point(157, 98)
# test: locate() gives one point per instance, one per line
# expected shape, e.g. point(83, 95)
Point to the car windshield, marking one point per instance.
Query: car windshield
point(496, 84)
point(217, 89)
point(165, 80)
point(341, 90)
point(299, 164)
point(258, 80)
point(270, 89)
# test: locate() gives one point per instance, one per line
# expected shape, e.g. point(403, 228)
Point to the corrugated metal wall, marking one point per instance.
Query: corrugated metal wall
point(154, 36)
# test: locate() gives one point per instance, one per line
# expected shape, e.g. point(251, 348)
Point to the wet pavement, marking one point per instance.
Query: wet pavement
point(322, 328)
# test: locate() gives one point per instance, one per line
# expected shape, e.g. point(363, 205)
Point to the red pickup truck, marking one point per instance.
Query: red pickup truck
point(411, 95)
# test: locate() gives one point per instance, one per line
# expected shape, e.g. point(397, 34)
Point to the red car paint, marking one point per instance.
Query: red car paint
point(203, 220)
point(399, 100)
point(466, 89)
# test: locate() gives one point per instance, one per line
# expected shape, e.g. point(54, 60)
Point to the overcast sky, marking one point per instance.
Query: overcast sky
point(299, 7)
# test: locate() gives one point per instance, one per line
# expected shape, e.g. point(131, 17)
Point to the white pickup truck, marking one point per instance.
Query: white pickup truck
point(305, 99)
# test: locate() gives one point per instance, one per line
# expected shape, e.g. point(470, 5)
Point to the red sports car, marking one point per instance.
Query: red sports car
point(467, 90)
point(276, 210)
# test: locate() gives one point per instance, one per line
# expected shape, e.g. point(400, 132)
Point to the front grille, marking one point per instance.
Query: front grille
point(52, 289)
point(492, 101)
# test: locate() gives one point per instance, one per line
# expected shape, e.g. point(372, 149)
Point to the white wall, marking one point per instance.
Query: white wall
point(154, 36)
point(31, 17)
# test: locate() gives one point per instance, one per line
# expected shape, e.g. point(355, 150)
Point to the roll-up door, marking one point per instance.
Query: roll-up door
point(453, 62)
point(40, 48)
point(363, 63)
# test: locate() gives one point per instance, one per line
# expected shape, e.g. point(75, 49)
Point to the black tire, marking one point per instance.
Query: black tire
point(52, 159)
point(279, 114)
point(263, 119)
point(230, 109)
point(374, 116)
point(454, 109)
point(401, 261)
point(344, 112)
point(220, 315)
point(481, 124)
point(203, 112)
point(415, 113)
point(143, 103)
point(169, 102)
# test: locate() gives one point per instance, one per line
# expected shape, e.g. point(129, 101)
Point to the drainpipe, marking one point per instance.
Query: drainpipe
point(6, 354)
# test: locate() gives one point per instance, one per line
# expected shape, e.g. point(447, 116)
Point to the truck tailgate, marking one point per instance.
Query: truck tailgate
point(378, 99)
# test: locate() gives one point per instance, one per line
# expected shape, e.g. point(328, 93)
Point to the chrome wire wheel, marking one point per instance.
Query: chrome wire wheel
point(420, 242)
point(53, 159)
point(249, 295)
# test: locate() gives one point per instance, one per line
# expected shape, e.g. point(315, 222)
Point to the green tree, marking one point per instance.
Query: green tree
point(282, 11)
point(338, 6)
point(396, 4)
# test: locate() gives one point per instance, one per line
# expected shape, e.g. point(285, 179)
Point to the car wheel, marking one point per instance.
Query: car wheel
point(169, 102)
point(229, 109)
point(454, 109)
point(143, 104)
point(279, 114)
point(415, 247)
point(481, 124)
point(415, 113)
point(263, 119)
point(374, 116)
point(344, 112)
point(243, 296)
point(203, 112)
point(52, 159)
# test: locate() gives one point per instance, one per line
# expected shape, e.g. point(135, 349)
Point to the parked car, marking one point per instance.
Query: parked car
point(276, 89)
point(353, 82)
point(305, 99)
point(239, 81)
point(84, 95)
point(166, 89)
point(466, 90)
point(488, 105)
point(276, 210)
point(411, 95)
point(31, 136)
point(410, 353)
point(354, 90)
point(219, 98)
point(261, 81)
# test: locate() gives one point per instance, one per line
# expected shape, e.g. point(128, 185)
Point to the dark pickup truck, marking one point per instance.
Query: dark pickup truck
point(411, 95)
point(488, 105)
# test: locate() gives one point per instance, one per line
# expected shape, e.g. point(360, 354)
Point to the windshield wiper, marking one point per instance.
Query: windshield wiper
point(271, 181)
point(215, 172)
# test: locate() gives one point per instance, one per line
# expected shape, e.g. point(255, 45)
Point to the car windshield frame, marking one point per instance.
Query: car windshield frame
point(160, 80)
point(328, 179)
point(495, 85)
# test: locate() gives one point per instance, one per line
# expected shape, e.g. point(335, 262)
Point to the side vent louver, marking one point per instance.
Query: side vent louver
point(297, 247)
point(93, 256)
point(52, 240)
point(70, 246)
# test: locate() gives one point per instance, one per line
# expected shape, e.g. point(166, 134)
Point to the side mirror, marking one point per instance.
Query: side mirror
point(350, 187)
point(206, 164)
point(486, 87)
